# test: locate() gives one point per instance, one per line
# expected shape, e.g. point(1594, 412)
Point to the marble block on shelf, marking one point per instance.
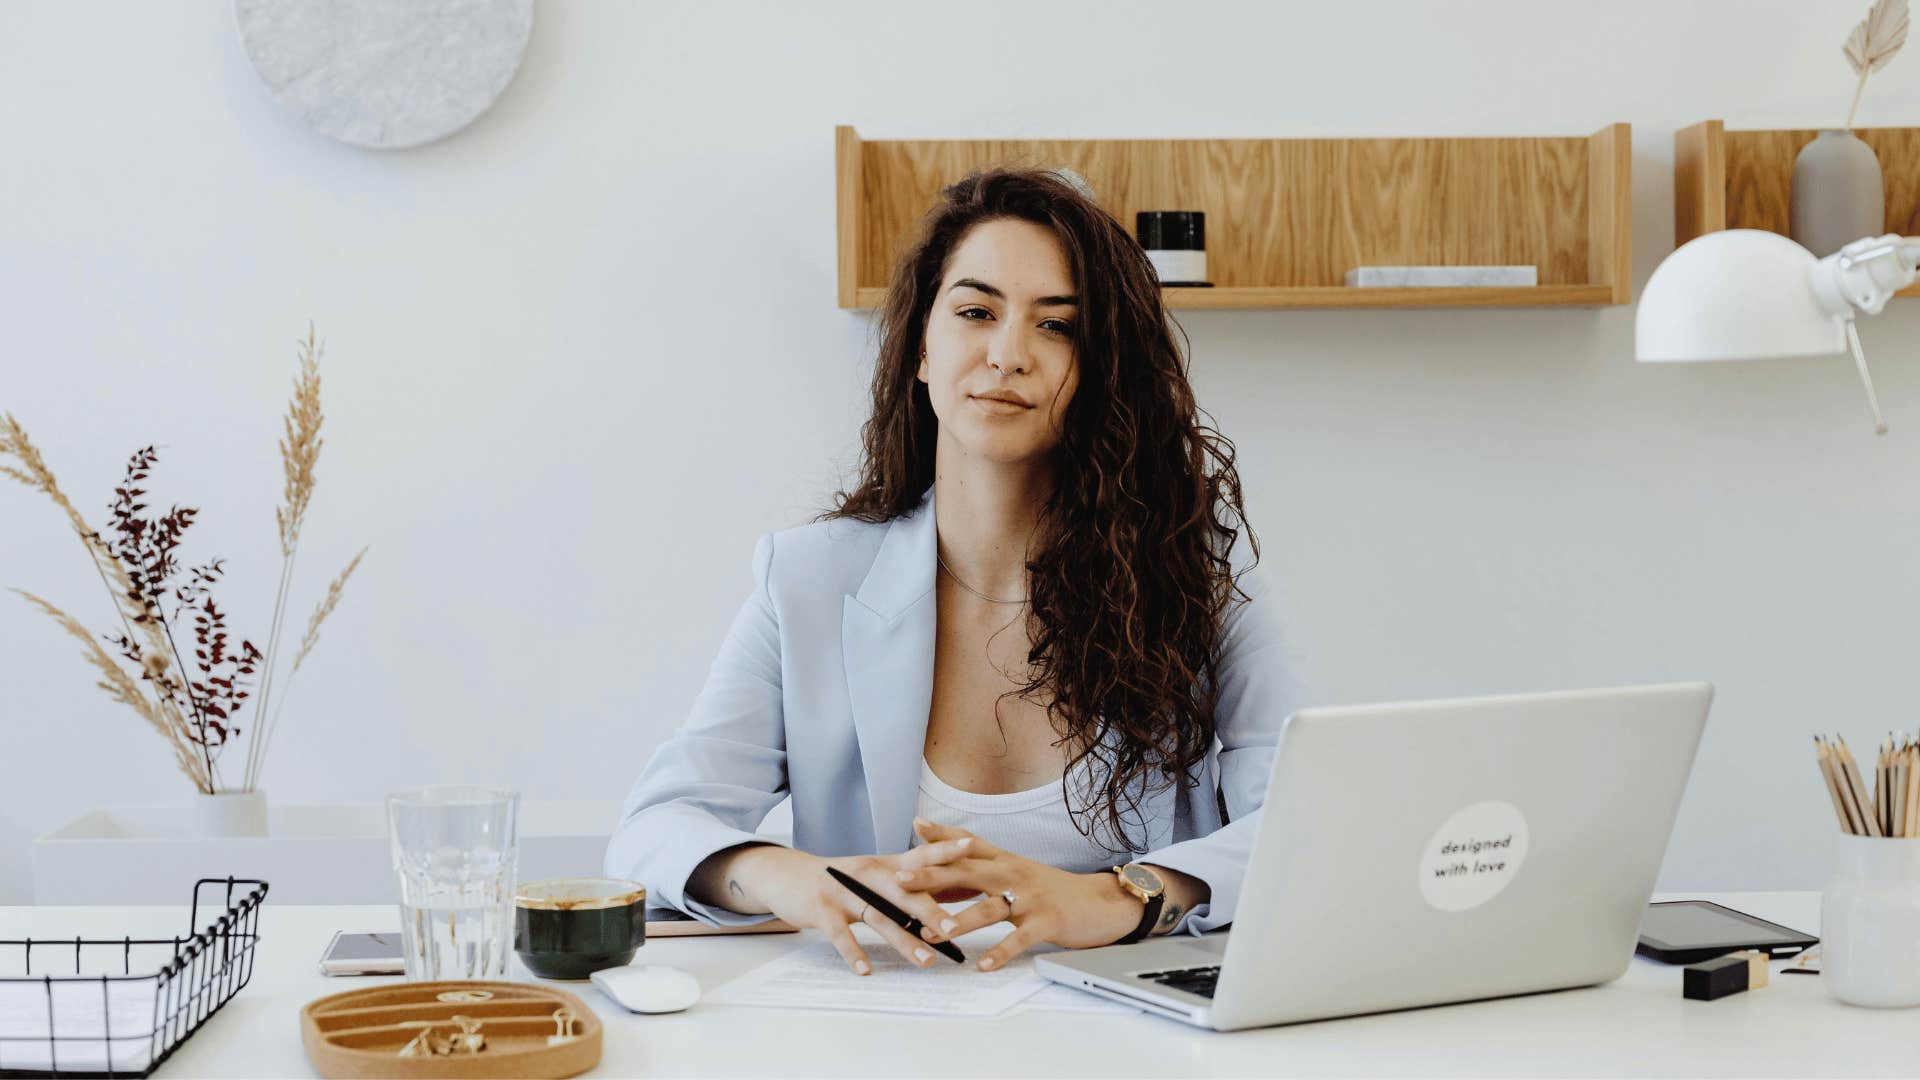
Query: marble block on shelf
point(1382, 277)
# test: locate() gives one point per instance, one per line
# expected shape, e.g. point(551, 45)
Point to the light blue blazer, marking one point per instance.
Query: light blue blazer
point(822, 689)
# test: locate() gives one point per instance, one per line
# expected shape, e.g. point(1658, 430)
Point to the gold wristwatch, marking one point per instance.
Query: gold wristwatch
point(1147, 887)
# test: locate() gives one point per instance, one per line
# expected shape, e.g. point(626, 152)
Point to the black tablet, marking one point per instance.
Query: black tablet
point(1689, 931)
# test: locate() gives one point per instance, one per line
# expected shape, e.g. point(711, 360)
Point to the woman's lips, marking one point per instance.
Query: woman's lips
point(999, 406)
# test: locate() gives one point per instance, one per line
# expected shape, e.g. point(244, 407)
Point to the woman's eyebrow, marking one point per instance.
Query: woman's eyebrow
point(1044, 301)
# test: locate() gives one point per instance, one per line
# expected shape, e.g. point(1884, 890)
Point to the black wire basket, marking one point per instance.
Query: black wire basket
point(82, 1019)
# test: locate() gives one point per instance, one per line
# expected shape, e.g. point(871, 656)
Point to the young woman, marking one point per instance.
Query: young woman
point(1021, 659)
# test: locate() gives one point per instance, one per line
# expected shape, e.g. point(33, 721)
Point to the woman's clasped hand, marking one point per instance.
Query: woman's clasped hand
point(1044, 903)
point(1047, 904)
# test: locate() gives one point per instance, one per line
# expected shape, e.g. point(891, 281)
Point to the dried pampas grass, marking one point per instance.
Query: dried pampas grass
point(300, 449)
point(36, 475)
point(324, 609)
point(320, 613)
point(299, 453)
point(121, 687)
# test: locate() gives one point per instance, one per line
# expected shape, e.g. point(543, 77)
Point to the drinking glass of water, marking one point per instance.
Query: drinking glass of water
point(455, 851)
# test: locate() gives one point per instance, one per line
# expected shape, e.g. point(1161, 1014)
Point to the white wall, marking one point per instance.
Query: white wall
point(582, 353)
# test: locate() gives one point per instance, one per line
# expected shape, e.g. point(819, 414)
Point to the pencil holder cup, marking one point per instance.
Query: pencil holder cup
point(1870, 922)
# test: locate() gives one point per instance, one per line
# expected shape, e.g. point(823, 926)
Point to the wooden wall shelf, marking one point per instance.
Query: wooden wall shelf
point(1741, 179)
point(1286, 218)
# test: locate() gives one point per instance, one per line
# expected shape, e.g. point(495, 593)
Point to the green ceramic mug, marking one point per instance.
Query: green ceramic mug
point(569, 928)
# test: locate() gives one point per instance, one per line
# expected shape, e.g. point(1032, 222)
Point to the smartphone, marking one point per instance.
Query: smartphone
point(363, 952)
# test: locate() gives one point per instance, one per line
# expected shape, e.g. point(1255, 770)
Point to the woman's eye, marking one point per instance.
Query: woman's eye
point(1056, 326)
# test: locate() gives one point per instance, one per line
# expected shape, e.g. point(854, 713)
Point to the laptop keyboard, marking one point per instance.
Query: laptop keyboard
point(1194, 980)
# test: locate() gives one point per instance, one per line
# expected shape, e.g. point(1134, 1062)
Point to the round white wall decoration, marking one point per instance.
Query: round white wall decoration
point(385, 74)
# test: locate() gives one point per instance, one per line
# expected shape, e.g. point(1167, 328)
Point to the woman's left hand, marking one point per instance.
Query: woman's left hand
point(1077, 911)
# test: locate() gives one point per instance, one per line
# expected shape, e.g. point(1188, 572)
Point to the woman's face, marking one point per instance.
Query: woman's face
point(999, 363)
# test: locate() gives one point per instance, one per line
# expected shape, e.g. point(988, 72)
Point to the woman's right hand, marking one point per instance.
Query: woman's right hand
point(796, 887)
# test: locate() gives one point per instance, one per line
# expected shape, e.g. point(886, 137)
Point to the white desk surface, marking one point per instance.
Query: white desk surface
point(1639, 1025)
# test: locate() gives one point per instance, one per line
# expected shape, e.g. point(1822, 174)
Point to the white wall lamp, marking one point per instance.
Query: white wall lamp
point(1747, 294)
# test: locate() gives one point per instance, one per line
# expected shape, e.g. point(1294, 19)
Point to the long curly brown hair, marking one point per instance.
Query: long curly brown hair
point(1128, 594)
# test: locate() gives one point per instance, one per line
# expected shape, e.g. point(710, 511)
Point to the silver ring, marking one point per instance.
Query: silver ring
point(864, 908)
point(1011, 899)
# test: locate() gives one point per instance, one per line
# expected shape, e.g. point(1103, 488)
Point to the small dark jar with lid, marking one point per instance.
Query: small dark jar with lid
point(1176, 244)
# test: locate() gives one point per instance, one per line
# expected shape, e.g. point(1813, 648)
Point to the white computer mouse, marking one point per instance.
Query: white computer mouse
point(648, 988)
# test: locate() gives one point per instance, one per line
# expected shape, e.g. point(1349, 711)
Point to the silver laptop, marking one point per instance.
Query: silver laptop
point(1431, 852)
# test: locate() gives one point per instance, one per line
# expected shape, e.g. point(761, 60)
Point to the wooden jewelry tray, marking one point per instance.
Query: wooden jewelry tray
point(361, 1033)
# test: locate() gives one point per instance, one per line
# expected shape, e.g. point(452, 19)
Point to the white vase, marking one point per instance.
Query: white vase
point(1837, 195)
point(230, 813)
point(1870, 922)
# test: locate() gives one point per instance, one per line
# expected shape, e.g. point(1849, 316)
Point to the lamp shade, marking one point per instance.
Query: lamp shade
point(1739, 294)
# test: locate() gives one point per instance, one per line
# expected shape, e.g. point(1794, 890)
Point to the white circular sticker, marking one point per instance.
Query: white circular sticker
point(1473, 856)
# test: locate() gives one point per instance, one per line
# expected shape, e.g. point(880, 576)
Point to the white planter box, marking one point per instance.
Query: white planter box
point(315, 854)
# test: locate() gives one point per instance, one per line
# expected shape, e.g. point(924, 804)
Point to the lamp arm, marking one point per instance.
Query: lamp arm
point(1862, 277)
point(1866, 380)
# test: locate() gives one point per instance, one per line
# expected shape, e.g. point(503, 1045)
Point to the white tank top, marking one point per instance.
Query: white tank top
point(1032, 823)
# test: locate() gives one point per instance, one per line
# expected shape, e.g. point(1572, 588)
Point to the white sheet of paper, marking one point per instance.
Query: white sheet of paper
point(813, 976)
point(82, 1017)
point(1059, 997)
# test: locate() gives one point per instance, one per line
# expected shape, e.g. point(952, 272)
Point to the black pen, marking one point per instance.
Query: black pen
point(905, 921)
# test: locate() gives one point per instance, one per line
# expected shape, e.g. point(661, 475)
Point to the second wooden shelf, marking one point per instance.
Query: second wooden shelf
point(1286, 218)
point(1340, 296)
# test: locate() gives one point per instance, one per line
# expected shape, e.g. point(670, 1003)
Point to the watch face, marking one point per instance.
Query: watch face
point(1147, 880)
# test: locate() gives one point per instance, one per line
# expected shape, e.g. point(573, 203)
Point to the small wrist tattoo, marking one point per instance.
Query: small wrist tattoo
point(1170, 916)
point(734, 888)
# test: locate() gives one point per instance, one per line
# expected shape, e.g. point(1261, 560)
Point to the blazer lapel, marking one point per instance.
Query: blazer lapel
point(887, 637)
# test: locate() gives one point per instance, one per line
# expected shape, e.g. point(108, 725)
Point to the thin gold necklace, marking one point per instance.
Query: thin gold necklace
point(969, 588)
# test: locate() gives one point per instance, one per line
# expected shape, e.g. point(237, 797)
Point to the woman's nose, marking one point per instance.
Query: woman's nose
point(1007, 355)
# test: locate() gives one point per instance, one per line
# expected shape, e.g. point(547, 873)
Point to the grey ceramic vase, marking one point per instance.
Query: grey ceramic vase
point(1837, 195)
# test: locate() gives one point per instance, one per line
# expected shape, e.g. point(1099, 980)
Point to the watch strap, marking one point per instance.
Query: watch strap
point(1147, 918)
